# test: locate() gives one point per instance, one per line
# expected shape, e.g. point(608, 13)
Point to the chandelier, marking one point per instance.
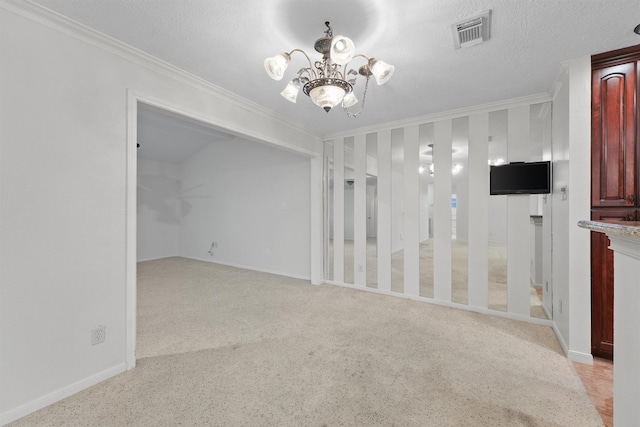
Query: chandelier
point(327, 82)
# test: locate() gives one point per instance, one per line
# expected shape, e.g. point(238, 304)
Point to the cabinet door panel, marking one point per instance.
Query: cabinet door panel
point(602, 284)
point(613, 142)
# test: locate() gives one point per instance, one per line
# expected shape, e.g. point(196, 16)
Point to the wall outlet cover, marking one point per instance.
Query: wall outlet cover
point(98, 335)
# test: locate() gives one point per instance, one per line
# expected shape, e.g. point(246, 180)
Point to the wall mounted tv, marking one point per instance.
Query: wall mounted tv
point(520, 178)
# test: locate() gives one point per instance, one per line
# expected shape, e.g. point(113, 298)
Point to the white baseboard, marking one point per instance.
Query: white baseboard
point(563, 344)
point(157, 258)
point(249, 267)
point(579, 357)
point(56, 396)
point(576, 356)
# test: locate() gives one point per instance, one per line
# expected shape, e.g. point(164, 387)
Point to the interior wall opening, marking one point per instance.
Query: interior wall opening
point(209, 195)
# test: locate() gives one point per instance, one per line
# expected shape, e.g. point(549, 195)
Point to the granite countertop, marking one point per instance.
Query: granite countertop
point(620, 228)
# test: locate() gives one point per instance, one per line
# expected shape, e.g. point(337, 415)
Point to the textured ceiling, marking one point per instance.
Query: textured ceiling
point(226, 42)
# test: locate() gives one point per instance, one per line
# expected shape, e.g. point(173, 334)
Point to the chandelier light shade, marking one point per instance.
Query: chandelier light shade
point(326, 94)
point(277, 65)
point(290, 93)
point(342, 50)
point(380, 70)
point(327, 82)
point(349, 100)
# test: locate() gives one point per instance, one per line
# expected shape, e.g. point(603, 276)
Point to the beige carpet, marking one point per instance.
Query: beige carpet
point(227, 347)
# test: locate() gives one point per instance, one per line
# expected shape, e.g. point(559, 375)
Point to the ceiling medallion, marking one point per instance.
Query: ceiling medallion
point(327, 82)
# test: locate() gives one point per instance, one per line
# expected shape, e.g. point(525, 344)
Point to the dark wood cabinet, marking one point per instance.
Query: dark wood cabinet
point(613, 153)
point(602, 284)
point(615, 156)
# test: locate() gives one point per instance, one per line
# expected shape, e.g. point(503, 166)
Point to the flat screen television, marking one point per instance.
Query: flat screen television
point(520, 178)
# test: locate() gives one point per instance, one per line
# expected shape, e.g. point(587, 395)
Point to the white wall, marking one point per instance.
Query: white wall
point(63, 199)
point(560, 208)
point(253, 201)
point(159, 209)
point(579, 196)
point(571, 245)
point(249, 198)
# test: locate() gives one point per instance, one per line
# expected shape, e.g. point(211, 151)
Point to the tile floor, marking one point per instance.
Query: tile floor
point(598, 380)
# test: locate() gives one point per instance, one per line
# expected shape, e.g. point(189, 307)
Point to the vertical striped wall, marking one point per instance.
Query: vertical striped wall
point(479, 205)
point(405, 197)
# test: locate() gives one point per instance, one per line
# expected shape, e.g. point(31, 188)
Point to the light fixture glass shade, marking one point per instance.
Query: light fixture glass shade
point(349, 100)
point(327, 96)
point(380, 70)
point(290, 93)
point(342, 50)
point(277, 65)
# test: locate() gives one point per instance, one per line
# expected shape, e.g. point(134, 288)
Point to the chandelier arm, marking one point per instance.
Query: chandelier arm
point(342, 73)
point(308, 72)
point(361, 56)
point(308, 60)
point(346, 66)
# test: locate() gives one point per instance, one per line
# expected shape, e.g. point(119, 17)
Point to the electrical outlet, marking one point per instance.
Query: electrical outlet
point(547, 285)
point(360, 268)
point(211, 249)
point(97, 335)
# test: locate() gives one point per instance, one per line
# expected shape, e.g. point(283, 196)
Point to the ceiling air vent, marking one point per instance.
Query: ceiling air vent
point(472, 31)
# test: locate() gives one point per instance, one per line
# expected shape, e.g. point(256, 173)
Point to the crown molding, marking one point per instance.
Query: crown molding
point(445, 115)
point(58, 22)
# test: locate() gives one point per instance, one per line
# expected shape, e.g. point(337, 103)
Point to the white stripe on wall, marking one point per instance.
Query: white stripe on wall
point(478, 259)
point(442, 210)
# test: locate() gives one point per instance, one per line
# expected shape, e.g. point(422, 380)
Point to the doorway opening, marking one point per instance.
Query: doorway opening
point(200, 191)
